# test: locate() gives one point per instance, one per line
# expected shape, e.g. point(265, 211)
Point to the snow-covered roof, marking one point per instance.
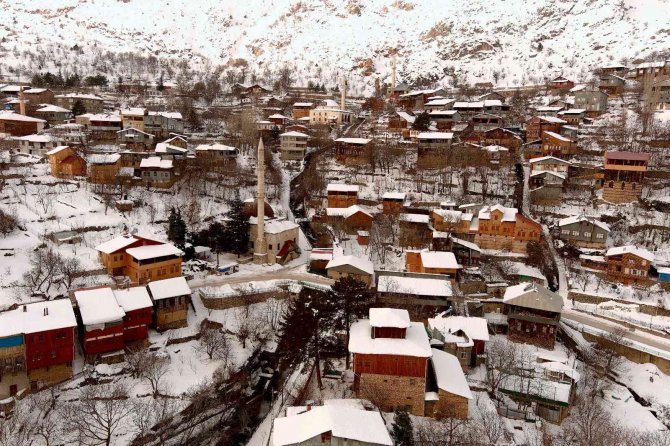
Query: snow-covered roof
point(134, 111)
point(538, 387)
point(630, 249)
point(531, 295)
point(580, 218)
point(521, 269)
point(415, 343)
point(449, 374)
point(394, 196)
point(346, 212)
point(573, 111)
point(359, 263)
point(435, 135)
point(449, 215)
point(553, 119)
point(277, 226)
point(439, 259)
point(336, 187)
point(11, 116)
point(418, 286)
point(467, 244)
point(55, 150)
point(415, 218)
point(474, 327)
point(366, 427)
point(294, 134)
point(134, 130)
point(98, 306)
point(438, 102)
point(476, 104)
point(548, 160)
point(406, 116)
point(557, 136)
point(277, 116)
point(170, 115)
point(103, 117)
point(360, 141)
point(153, 251)
point(37, 317)
point(103, 158)
point(164, 289)
point(215, 146)
point(303, 104)
point(52, 109)
point(156, 162)
point(135, 298)
point(509, 214)
point(557, 366)
point(37, 138)
point(79, 96)
point(389, 317)
point(116, 244)
point(437, 113)
point(164, 147)
point(321, 254)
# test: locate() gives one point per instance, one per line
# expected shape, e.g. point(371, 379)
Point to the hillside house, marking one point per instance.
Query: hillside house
point(65, 162)
point(549, 164)
point(353, 151)
point(91, 102)
point(556, 145)
point(448, 394)
point(501, 137)
point(624, 176)
point(432, 148)
point(38, 95)
point(660, 95)
point(573, 116)
point(216, 156)
point(393, 202)
point(15, 124)
point(342, 195)
point(533, 313)
point(293, 146)
point(584, 232)
point(103, 127)
point(432, 262)
point(319, 258)
point(53, 114)
point(467, 253)
point(101, 319)
point(503, 228)
point(416, 100)
point(628, 264)
point(171, 298)
point(415, 229)
point(594, 101)
point(37, 145)
point(103, 168)
point(422, 295)
point(560, 85)
point(140, 258)
point(138, 308)
point(546, 110)
point(398, 90)
point(330, 425)
point(546, 187)
point(401, 122)
point(612, 84)
point(463, 337)
point(351, 219)
point(330, 115)
point(451, 221)
point(444, 119)
point(156, 172)
point(537, 125)
point(301, 109)
point(486, 121)
point(135, 139)
point(650, 70)
point(438, 104)
point(359, 268)
point(495, 106)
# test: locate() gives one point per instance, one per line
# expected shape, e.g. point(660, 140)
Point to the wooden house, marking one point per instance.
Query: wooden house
point(104, 127)
point(65, 162)
point(132, 138)
point(422, 295)
point(624, 176)
point(415, 229)
point(463, 337)
point(501, 137)
point(560, 85)
point(53, 114)
point(393, 202)
point(448, 394)
point(504, 228)
point(573, 116)
point(659, 98)
point(486, 121)
point(401, 122)
point(216, 156)
point(415, 100)
point(444, 119)
point(594, 101)
point(301, 109)
point(171, 298)
point(351, 266)
point(584, 232)
point(353, 151)
point(453, 221)
point(537, 125)
point(390, 360)
point(342, 195)
point(549, 164)
point(15, 124)
point(37, 145)
point(432, 148)
point(612, 84)
point(466, 252)
point(628, 264)
point(468, 109)
point(157, 172)
point(38, 95)
point(138, 308)
point(438, 104)
point(91, 102)
point(432, 262)
point(650, 70)
point(101, 321)
point(319, 258)
point(103, 168)
point(533, 313)
point(556, 145)
point(353, 218)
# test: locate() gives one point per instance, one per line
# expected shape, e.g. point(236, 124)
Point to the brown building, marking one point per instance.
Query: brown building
point(503, 228)
point(140, 258)
point(91, 102)
point(560, 85)
point(432, 262)
point(352, 219)
point(352, 151)
point(351, 266)
point(103, 169)
point(451, 221)
point(342, 195)
point(628, 264)
point(400, 122)
point(393, 202)
point(66, 163)
point(554, 144)
point(171, 298)
point(432, 149)
point(15, 124)
point(301, 109)
point(612, 84)
point(624, 174)
point(537, 125)
point(533, 313)
point(39, 95)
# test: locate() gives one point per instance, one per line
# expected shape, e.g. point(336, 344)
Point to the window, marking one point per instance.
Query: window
point(600, 236)
point(565, 232)
point(587, 234)
point(575, 233)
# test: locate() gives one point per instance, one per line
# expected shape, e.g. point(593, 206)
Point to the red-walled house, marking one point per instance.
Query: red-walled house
point(101, 320)
point(48, 329)
point(139, 310)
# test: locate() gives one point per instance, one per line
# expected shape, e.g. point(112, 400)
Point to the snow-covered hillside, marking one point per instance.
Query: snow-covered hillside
point(511, 41)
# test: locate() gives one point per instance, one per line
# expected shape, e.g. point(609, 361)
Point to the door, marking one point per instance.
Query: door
point(13, 389)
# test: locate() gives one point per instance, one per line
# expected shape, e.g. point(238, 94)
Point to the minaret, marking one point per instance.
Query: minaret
point(393, 78)
point(343, 93)
point(260, 246)
point(22, 102)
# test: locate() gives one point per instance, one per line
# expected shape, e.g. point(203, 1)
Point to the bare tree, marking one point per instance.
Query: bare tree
point(98, 415)
point(44, 266)
point(503, 359)
point(70, 268)
point(154, 370)
point(213, 342)
point(146, 415)
point(18, 428)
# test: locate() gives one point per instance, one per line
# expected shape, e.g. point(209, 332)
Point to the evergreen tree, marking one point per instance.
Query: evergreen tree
point(237, 227)
point(274, 133)
point(78, 108)
point(421, 122)
point(176, 228)
point(401, 431)
point(352, 298)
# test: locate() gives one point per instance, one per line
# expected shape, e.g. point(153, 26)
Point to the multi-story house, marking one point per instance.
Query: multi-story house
point(353, 151)
point(537, 125)
point(171, 298)
point(157, 172)
point(444, 119)
point(549, 164)
point(301, 109)
point(660, 95)
point(15, 124)
point(463, 337)
point(103, 168)
point(358, 268)
point(432, 148)
point(342, 195)
point(101, 320)
point(624, 174)
point(584, 232)
point(140, 258)
point(554, 144)
point(628, 264)
point(216, 156)
point(432, 262)
point(573, 116)
point(503, 228)
point(612, 84)
point(293, 145)
point(594, 101)
point(533, 313)
point(91, 102)
point(65, 162)
point(53, 114)
point(393, 202)
point(138, 308)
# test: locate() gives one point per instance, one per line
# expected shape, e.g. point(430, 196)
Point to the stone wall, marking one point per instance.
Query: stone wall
point(450, 405)
point(241, 300)
point(630, 353)
point(47, 376)
point(617, 195)
point(394, 391)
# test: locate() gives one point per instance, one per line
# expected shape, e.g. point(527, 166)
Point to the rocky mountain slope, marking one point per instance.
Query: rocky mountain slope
point(507, 41)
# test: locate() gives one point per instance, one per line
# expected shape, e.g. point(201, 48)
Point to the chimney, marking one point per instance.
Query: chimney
point(46, 311)
point(22, 102)
point(343, 93)
point(309, 407)
point(25, 309)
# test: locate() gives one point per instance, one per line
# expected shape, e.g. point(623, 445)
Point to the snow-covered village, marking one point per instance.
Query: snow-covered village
point(379, 223)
